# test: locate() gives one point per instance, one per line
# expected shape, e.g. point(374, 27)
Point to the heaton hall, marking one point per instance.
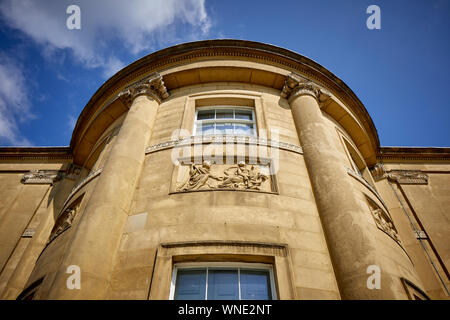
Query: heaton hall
point(224, 169)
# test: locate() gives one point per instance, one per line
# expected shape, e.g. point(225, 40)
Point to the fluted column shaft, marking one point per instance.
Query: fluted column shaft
point(98, 234)
point(352, 247)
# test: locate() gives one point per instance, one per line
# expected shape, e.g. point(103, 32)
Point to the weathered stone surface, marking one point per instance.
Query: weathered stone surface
point(125, 204)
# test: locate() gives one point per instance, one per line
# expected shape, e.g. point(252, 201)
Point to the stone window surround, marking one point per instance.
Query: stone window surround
point(223, 266)
point(352, 152)
point(170, 254)
point(231, 98)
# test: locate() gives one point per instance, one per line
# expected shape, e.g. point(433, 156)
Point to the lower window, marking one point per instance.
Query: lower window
point(222, 281)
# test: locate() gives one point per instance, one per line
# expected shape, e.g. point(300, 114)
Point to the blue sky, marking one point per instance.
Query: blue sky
point(400, 72)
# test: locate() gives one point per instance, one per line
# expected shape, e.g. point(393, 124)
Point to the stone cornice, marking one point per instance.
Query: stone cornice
point(151, 86)
point(62, 154)
point(296, 85)
point(223, 140)
point(229, 49)
point(414, 153)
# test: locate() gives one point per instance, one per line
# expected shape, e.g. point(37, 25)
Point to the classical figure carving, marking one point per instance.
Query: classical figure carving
point(199, 176)
point(383, 222)
point(63, 223)
point(240, 176)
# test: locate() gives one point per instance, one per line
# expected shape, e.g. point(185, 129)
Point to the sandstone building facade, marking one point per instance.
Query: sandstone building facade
point(224, 169)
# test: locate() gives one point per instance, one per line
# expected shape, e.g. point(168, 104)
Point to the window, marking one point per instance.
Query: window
point(221, 281)
point(357, 163)
point(225, 120)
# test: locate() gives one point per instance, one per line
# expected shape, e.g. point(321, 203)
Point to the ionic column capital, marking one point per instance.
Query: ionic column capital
point(151, 86)
point(295, 86)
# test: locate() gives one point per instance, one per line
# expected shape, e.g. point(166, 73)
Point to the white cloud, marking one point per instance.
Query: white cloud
point(14, 102)
point(71, 122)
point(137, 25)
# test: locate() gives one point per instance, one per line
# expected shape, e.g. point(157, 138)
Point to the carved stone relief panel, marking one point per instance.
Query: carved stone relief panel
point(208, 175)
point(41, 177)
point(383, 221)
point(65, 220)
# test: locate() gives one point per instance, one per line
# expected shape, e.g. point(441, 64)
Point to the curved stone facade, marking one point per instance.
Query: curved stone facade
point(292, 178)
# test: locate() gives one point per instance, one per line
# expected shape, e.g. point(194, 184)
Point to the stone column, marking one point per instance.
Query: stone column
point(351, 246)
point(98, 234)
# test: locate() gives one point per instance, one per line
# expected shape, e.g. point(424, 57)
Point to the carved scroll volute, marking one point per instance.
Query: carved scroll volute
point(151, 86)
point(296, 85)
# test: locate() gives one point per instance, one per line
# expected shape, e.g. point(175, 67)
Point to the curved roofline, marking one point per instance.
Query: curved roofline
point(224, 43)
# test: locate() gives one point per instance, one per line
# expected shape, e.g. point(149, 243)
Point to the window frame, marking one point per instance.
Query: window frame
point(223, 266)
point(233, 121)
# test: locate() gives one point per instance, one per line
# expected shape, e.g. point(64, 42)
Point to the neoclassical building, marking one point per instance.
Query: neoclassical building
point(224, 169)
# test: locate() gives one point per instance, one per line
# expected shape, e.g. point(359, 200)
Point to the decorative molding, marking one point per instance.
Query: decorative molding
point(28, 233)
point(51, 176)
point(225, 243)
point(413, 154)
point(400, 176)
point(219, 139)
point(60, 154)
point(42, 177)
point(296, 85)
point(212, 49)
point(407, 176)
point(82, 183)
point(420, 234)
point(151, 86)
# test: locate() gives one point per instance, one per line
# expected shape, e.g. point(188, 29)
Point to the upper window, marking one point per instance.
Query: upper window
point(222, 282)
point(225, 120)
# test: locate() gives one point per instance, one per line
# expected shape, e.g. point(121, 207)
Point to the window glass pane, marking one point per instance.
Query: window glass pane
point(255, 285)
point(223, 285)
point(244, 129)
point(190, 284)
point(224, 114)
point(205, 114)
point(205, 129)
point(224, 128)
point(246, 115)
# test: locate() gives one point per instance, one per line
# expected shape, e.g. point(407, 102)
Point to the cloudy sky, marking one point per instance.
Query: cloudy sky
point(400, 72)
